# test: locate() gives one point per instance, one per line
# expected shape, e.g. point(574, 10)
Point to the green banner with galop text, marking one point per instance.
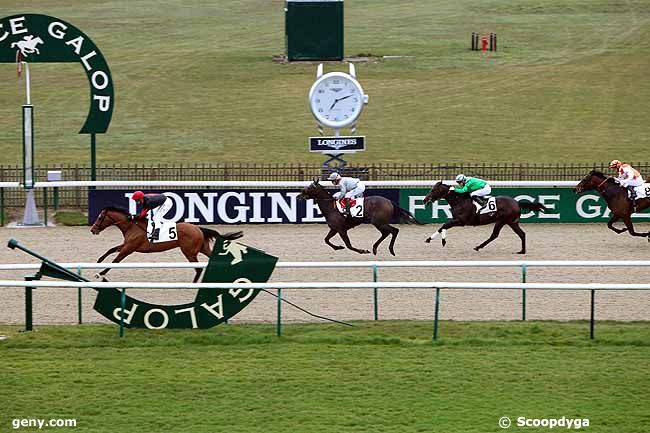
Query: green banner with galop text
point(564, 206)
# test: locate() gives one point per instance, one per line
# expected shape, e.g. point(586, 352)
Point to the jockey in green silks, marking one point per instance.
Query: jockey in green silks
point(477, 188)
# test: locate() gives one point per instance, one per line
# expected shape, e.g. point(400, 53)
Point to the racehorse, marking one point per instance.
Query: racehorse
point(192, 239)
point(378, 211)
point(463, 213)
point(617, 200)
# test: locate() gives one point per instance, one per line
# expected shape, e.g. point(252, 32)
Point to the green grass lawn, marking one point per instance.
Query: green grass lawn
point(376, 377)
point(195, 81)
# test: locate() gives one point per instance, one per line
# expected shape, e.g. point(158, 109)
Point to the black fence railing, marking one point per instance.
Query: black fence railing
point(77, 197)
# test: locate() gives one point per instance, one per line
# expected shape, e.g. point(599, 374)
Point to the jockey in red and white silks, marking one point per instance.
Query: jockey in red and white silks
point(628, 177)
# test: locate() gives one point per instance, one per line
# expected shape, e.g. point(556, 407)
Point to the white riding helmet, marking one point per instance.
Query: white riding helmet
point(334, 176)
point(615, 164)
point(461, 178)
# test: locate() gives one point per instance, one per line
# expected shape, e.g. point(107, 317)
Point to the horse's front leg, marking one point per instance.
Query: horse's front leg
point(346, 240)
point(109, 252)
point(123, 254)
point(443, 231)
point(627, 220)
point(610, 225)
point(329, 236)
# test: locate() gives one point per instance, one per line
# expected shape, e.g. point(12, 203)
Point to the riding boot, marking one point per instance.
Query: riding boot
point(480, 200)
point(632, 197)
point(346, 206)
point(155, 235)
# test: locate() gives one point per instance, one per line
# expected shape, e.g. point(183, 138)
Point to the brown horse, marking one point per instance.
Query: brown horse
point(617, 200)
point(463, 213)
point(377, 211)
point(192, 239)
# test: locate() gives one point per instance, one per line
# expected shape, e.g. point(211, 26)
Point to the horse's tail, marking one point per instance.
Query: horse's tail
point(405, 216)
point(210, 234)
point(534, 206)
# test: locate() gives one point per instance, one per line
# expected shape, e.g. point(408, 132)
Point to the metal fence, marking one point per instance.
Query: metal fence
point(77, 197)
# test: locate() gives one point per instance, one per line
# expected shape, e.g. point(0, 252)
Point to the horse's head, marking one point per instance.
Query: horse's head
point(108, 217)
point(439, 190)
point(591, 181)
point(313, 191)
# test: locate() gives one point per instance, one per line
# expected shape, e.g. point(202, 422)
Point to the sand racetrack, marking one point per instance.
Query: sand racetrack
point(305, 243)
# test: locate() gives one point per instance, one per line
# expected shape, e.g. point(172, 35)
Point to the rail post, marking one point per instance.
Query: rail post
point(2, 207)
point(375, 293)
point(122, 308)
point(592, 315)
point(523, 292)
point(278, 326)
point(29, 325)
point(45, 206)
point(435, 317)
point(79, 309)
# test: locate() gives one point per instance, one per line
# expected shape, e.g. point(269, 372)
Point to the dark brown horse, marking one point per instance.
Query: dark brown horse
point(378, 211)
point(617, 200)
point(463, 213)
point(192, 239)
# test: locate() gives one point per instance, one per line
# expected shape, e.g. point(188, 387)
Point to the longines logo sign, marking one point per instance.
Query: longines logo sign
point(337, 144)
point(45, 39)
point(226, 206)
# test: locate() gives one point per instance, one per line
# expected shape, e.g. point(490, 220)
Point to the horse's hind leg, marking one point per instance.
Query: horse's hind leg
point(610, 225)
point(495, 234)
point(194, 259)
point(393, 231)
point(515, 228)
point(329, 236)
point(385, 231)
point(109, 252)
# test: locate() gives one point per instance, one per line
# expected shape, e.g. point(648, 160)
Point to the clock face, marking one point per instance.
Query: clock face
point(336, 100)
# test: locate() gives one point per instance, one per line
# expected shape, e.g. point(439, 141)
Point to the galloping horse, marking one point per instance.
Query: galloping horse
point(617, 200)
point(463, 213)
point(378, 211)
point(192, 239)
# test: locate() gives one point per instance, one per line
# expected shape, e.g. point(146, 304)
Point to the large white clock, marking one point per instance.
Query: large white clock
point(336, 99)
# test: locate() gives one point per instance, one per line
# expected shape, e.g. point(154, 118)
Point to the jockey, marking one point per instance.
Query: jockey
point(477, 188)
point(157, 204)
point(350, 188)
point(628, 177)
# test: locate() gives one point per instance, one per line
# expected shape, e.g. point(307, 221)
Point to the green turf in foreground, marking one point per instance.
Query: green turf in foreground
point(376, 377)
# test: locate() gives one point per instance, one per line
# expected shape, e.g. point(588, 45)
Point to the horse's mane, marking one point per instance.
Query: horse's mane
point(116, 209)
point(597, 173)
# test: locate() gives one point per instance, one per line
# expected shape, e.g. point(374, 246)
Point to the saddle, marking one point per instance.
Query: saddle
point(489, 207)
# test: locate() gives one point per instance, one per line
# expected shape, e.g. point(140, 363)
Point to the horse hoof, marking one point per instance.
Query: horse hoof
point(392, 252)
point(365, 252)
point(374, 251)
point(444, 242)
point(476, 248)
point(338, 247)
point(428, 240)
point(97, 276)
point(521, 252)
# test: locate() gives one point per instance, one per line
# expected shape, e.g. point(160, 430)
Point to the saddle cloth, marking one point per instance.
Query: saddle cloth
point(490, 206)
point(356, 207)
point(642, 191)
point(167, 231)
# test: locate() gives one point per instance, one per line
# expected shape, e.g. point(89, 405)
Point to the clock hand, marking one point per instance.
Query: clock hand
point(337, 100)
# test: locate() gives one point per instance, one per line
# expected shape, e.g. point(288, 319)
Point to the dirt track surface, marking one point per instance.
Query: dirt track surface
point(305, 243)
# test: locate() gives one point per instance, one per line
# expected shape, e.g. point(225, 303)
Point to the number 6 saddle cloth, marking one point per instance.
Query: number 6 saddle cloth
point(490, 206)
point(356, 207)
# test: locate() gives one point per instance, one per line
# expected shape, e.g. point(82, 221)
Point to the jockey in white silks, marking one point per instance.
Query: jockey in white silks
point(628, 177)
point(350, 188)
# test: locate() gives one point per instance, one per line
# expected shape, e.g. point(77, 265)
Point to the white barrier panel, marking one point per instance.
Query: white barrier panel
point(358, 264)
point(328, 285)
point(279, 184)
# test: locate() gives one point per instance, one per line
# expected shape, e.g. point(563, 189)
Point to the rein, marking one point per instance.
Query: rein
point(601, 183)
